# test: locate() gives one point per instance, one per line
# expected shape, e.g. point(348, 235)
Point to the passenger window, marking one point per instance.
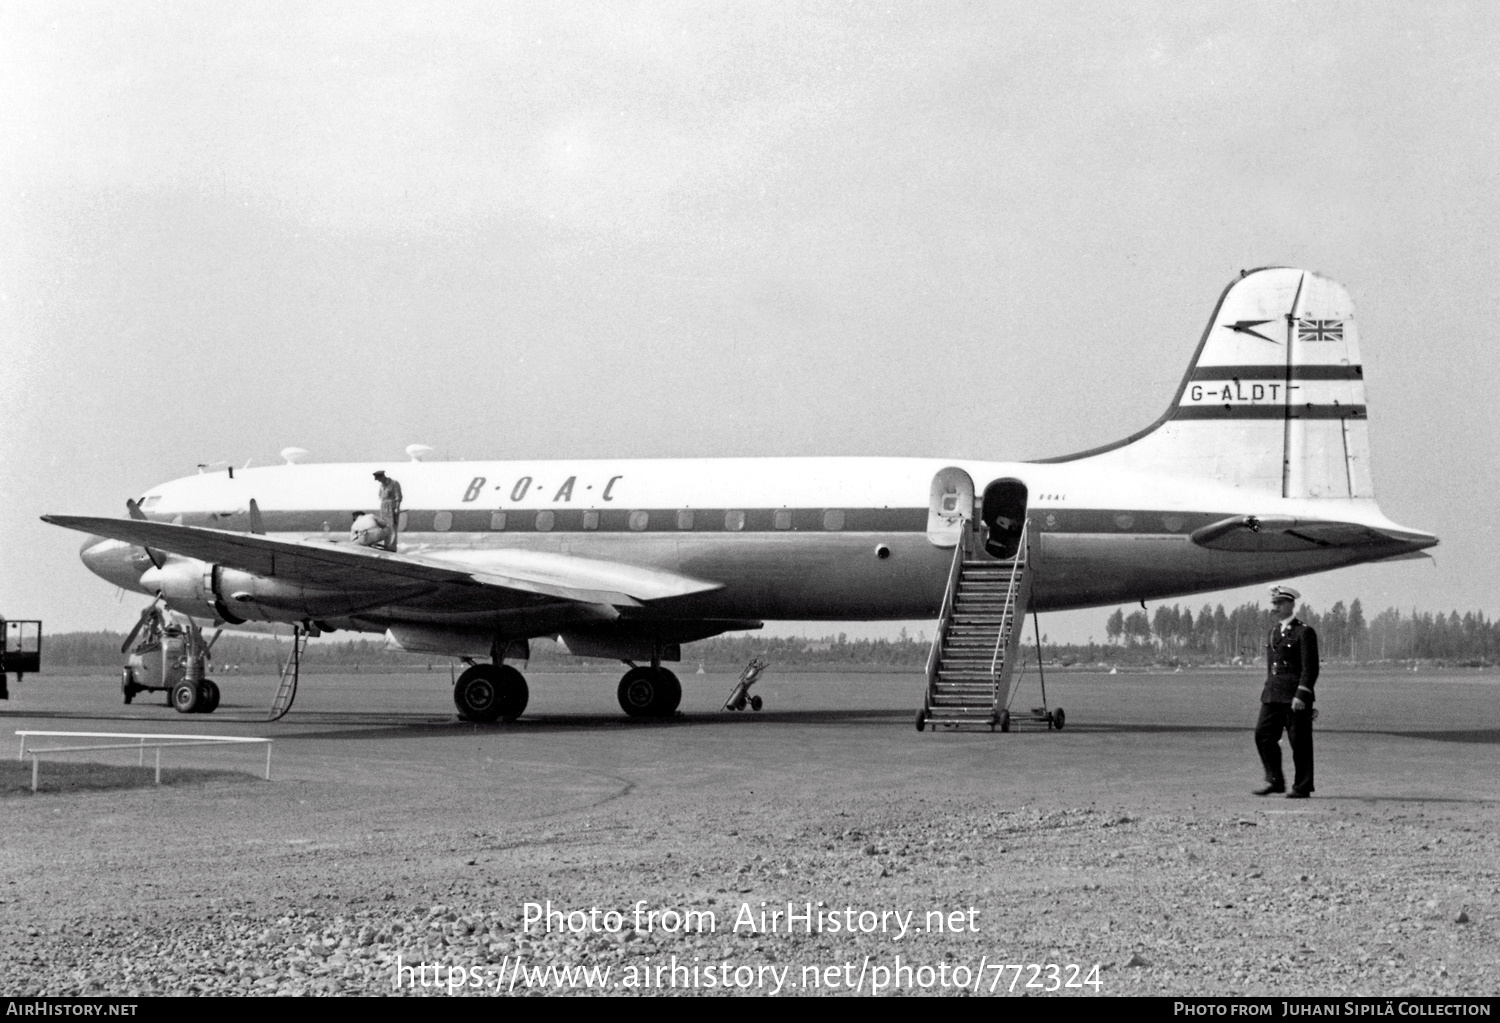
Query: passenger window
point(684, 518)
point(638, 520)
point(497, 520)
point(545, 521)
point(442, 521)
point(782, 519)
point(590, 520)
point(833, 518)
point(734, 520)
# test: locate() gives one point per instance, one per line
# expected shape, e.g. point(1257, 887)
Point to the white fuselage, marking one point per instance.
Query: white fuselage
point(789, 538)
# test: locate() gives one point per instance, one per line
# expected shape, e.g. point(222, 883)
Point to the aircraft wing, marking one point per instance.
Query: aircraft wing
point(327, 563)
point(1281, 533)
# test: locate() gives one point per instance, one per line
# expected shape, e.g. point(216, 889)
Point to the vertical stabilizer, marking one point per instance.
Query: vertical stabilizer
point(1274, 400)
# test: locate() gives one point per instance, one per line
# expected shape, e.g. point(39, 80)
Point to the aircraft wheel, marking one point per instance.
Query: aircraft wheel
point(185, 697)
point(127, 684)
point(1005, 721)
point(490, 692)
point(649, 692)
point(756, 703)
point(922, 720)
point(208, 696)
point(1058, 718)
point(512, 692)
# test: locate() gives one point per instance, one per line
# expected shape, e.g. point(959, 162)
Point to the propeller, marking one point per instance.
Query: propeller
point(140, 623)
point(136, 513)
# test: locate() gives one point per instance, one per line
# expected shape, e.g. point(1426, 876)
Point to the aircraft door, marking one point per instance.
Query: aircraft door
point(1004, 517)
point(950, 504)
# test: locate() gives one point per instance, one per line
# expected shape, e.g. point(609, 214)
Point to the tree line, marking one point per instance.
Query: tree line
point(1169, 634)
point(1343, 632)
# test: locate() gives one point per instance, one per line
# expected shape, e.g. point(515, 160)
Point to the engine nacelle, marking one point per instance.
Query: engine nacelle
point(188, 585)
point(198, 587)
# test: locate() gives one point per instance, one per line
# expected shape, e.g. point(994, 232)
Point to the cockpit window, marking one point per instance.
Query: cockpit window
point(150, 501)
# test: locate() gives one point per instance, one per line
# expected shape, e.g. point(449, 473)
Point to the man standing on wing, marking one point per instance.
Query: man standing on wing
point(1286, 702)
point(390, 507)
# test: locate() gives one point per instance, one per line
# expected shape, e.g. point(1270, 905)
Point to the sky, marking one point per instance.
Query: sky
point(984, 230)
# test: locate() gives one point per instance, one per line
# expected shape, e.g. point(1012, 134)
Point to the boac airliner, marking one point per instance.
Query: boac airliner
point(1258, 470)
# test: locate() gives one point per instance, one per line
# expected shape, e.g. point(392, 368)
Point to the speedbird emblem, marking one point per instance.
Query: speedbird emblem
point(1248, 327)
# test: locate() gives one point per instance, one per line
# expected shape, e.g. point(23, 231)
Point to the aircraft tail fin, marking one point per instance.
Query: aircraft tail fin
point(1274, 400)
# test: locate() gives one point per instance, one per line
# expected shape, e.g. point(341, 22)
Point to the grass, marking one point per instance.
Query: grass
point(59, 775)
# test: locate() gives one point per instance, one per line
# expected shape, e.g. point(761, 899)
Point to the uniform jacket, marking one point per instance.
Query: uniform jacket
point(1291, 664)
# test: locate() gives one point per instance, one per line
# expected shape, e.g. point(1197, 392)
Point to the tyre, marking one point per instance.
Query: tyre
point(1005, 721)
point(756, 703)
point(185, 697)
point(208, 696)
point(922, 720)
point(127, 684)
point(649, 692)
point(1058, 718)
point(490, 692)
point(511, 692)
point(670, 694)
point(636, 692)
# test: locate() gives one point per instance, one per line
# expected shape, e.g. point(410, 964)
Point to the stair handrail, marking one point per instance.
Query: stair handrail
point(950, 592)
point(1003, 633)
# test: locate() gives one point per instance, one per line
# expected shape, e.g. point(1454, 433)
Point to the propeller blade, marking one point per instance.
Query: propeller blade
point(136, 513)
point(136, 629)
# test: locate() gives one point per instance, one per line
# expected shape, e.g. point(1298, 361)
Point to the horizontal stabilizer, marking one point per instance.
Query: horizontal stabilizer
point(1282, 533)
point(330, 564)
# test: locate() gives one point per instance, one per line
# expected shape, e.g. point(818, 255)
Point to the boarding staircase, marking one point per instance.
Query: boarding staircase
point(975, 647)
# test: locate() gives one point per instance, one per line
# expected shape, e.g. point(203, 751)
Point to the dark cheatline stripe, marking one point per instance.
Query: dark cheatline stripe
point(758, 521)
point(1269, 372)
point(605, 520)
point(1269, 412)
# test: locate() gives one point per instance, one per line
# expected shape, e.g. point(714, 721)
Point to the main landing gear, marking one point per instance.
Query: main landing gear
point(490, 692)
point(649, 692)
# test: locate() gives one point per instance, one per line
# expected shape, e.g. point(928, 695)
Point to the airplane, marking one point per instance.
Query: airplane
point(1258, 470)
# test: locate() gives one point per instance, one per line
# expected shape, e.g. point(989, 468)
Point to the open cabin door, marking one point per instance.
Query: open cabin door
point(950, 505)
point(1004, 517)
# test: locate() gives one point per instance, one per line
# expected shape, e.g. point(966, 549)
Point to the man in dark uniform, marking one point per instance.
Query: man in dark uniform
point(1286, 702)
